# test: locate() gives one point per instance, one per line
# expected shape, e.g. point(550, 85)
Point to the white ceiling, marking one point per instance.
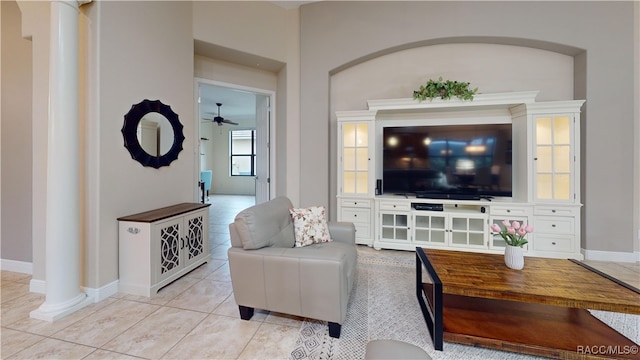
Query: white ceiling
point(237, 105)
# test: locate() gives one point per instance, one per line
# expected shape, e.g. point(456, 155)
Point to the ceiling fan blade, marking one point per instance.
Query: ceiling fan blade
point(229, 122)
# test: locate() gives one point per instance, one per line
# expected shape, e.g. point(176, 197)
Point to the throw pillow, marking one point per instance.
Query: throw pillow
point(309, 225)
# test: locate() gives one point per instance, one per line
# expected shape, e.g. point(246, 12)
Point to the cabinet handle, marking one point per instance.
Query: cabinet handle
point(553, 243)
point(181, 243)
point(535, 158)
point(355, 215)
point(508, 210)
point(553, 211)
point(553, 225)
point(355, 203)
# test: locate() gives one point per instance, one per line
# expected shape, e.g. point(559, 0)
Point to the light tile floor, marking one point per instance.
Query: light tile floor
point(195, 317)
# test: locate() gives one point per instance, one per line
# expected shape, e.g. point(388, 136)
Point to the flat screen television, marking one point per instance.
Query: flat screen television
point(447, 162)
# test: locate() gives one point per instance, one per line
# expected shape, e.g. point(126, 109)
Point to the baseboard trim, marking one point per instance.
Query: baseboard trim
point(38, 286)
point(16, 266)
point(103, 292)
point(97, 294)
point(614, 256)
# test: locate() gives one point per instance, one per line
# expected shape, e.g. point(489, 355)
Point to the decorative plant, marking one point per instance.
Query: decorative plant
point(444, 90)
point(513, 233)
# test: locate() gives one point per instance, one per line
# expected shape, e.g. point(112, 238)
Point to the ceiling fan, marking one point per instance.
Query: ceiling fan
point(219, 119)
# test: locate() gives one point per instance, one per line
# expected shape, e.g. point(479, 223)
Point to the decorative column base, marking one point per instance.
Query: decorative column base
point(53, 312)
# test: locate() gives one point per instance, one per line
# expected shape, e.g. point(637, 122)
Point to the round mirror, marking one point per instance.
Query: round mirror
point(152, 133)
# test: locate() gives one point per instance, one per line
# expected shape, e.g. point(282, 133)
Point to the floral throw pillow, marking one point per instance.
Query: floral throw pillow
point(309, 225)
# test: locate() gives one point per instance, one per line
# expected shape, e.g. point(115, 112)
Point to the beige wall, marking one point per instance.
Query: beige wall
point(16, 150)
point(336, 35)
point(139, 57)
point(490, 67)
point(332, 36)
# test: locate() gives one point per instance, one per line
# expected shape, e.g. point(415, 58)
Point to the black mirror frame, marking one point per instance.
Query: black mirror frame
point(130, 131)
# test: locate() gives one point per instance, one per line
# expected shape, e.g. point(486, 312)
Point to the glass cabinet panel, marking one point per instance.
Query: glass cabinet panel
point(395, 227)
point(553, 158)
point(355, 158)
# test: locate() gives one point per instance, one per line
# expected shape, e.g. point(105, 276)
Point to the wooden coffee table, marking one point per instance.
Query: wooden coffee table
point(474, 299)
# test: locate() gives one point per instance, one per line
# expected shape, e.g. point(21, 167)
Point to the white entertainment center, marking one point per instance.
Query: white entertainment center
point(545, 177)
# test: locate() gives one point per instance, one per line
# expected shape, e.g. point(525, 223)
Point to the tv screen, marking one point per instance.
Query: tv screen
point(451, 161)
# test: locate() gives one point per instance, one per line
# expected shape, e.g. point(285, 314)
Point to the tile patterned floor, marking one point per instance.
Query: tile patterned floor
point(193, 318)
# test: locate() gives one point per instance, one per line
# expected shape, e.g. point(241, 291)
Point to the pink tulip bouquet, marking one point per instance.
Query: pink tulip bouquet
point(513, 232)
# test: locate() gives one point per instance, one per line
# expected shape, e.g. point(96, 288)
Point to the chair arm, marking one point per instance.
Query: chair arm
point(342, 231)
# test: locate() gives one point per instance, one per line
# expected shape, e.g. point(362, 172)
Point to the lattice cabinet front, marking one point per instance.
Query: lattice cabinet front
point(159, 246)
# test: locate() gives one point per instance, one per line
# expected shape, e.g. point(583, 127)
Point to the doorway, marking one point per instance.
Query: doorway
point(234, 132)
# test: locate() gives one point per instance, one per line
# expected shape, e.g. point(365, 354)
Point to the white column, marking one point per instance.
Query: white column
point(63, 270)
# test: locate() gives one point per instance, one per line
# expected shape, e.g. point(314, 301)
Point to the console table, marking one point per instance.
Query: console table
point(474, 299)
point(157, 247)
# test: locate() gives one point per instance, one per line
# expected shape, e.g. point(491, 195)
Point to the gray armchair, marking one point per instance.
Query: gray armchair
point(268, 272)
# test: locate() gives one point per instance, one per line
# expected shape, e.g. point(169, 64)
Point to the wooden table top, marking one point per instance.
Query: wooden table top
point(559, 282)
point(163, 213)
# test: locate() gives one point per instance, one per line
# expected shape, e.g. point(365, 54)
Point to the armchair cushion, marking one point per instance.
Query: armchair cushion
point(310, 225)
point(263, 225)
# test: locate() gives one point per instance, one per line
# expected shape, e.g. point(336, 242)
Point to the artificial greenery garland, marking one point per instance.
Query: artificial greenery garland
point(444, 90)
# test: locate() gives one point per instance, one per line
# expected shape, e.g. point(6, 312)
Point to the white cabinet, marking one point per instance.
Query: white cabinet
point(543, 159)
point(159, 246)
point(400, 226)
point(359, 211)
point(553, 157)
point(511, 213)
point(356, 182)
point(468, 230)
point(355, 138)
point(557, 232)
point(553, 151)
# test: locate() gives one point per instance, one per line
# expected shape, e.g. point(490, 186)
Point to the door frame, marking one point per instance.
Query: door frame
point(272, 126)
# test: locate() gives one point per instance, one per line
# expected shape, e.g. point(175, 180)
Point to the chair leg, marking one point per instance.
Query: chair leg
point(334, 329)
point(245, 312)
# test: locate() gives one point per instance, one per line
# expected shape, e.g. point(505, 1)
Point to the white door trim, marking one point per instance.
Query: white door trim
point(272, 127)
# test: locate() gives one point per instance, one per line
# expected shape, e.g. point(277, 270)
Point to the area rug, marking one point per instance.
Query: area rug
point(383, 305)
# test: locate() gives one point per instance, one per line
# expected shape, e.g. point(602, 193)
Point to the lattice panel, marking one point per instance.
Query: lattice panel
point(169, 248)
point(195, 242)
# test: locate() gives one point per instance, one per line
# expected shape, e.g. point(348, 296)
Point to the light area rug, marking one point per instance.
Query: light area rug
point(383, 305)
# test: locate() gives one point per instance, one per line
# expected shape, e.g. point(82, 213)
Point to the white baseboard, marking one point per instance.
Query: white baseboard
point(16, 266)
point(97, 294)
point(103, 292)
point(38, 286)
point(614, 256)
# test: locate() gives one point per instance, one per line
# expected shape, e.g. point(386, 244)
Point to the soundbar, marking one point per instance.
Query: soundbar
point(427, 207)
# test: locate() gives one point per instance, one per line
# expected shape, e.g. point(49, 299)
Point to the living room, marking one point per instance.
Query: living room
point(309, 48)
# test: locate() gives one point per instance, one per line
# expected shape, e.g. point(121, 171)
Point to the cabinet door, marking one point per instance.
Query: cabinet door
point(168, 255)
point(429, 228)
point(554, 158)
point(355, 158)
point(195, 243)
point(496, 241)
point(394, 226)
point(467, 230)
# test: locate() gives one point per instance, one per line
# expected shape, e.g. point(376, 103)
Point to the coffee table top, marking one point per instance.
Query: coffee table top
point(559, 282)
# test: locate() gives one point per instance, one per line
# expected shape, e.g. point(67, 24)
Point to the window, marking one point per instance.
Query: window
point(243, 152)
